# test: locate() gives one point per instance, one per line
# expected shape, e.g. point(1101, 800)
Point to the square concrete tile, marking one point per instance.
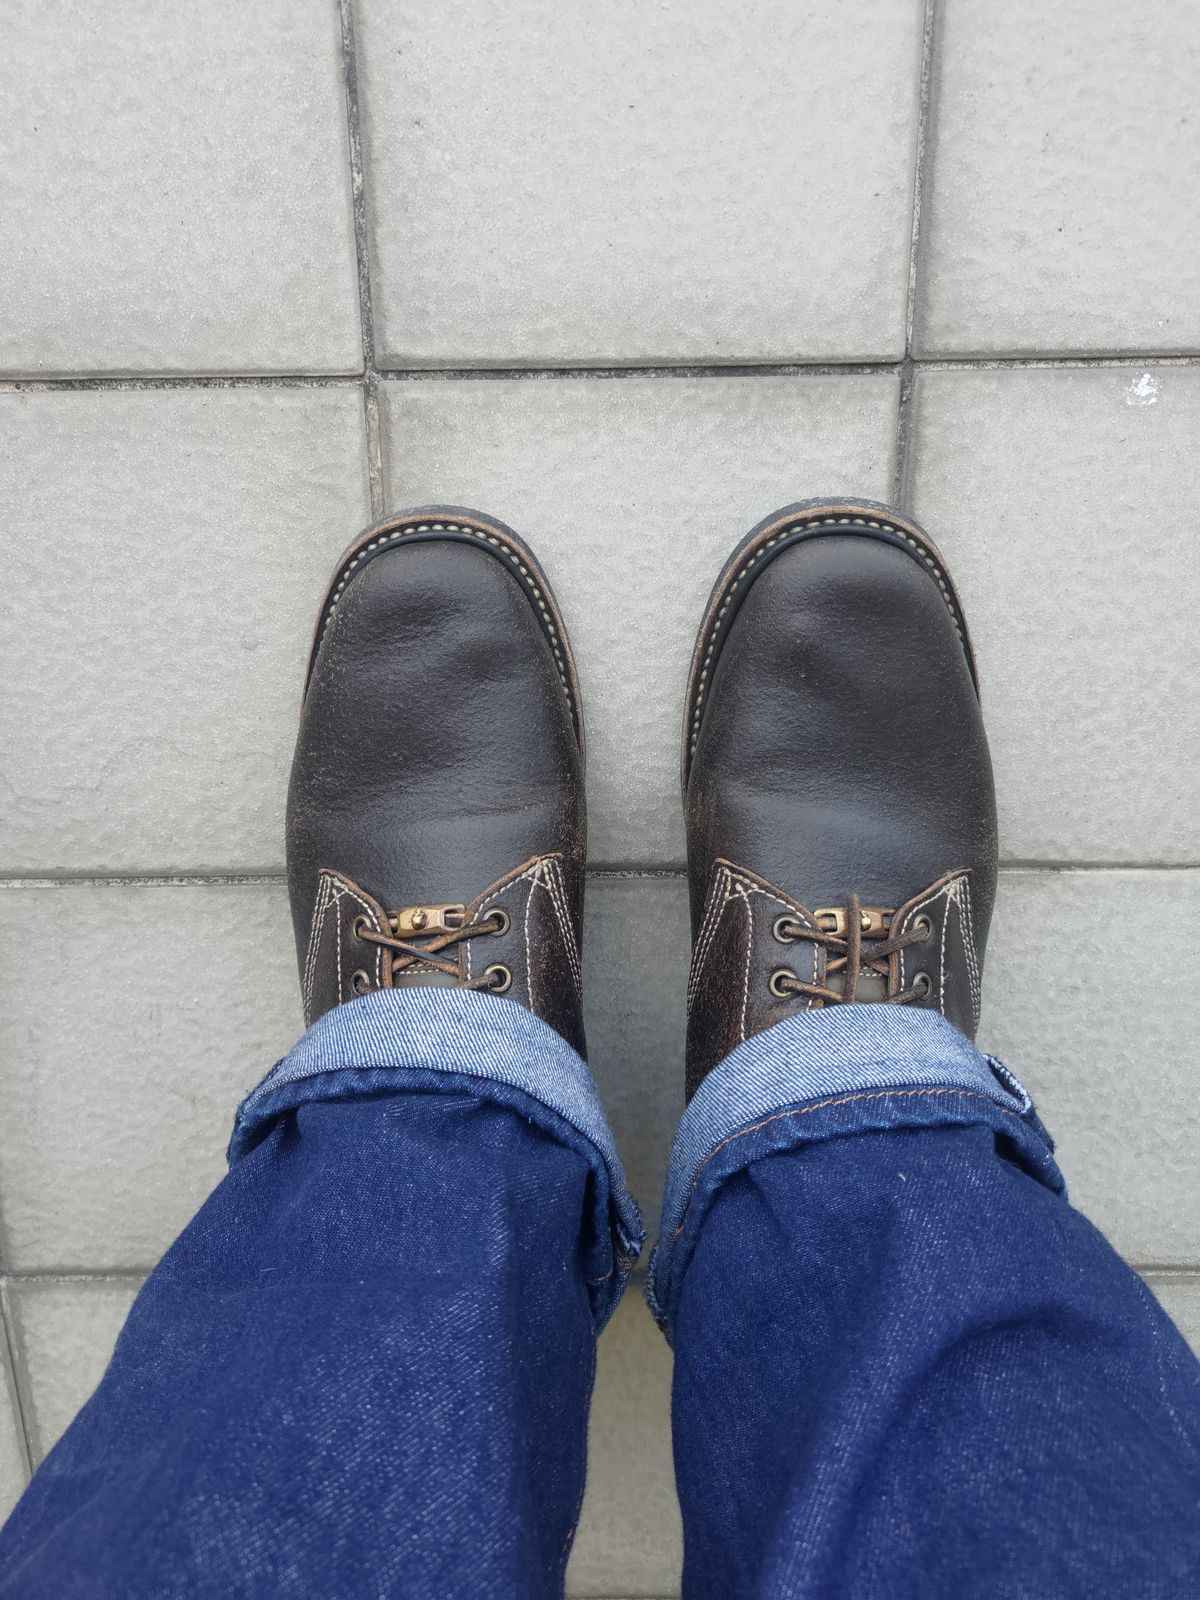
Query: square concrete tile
point(636, 953)
point(65, 1334)
point(14, 1471)
point(630, 1539)
point(1063, 502)
point(1180, 1298)
point(630, 183)
point(1108, 1057)
point(165, 555)
point(1062, 205)
point(108, 1148)
point(1111, 1074)
point(119, 1085)
point(633, 491)
point(175, 184)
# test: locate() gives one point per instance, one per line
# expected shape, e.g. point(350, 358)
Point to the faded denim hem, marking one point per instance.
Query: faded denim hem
point(454, 1041)
point(819, 1074)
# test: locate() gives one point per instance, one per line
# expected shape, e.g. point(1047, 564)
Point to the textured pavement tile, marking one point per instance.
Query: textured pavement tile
point(1180, 1299)
point(1062, 206)
point(118, 1107)
point(12, 1449)
point(633, 492)
point(1064, 504)
point(176, 189)
point(165, 555)
point(119, 1094)
point(65, 1335)
point(562, 184)
point(630, 1540)
point(1109, 1059)
point(636, 953)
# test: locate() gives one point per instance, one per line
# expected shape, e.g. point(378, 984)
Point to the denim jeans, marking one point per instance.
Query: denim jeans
point(904, 1366)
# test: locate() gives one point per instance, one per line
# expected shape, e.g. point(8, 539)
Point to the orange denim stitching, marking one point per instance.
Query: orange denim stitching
point(822, 1105)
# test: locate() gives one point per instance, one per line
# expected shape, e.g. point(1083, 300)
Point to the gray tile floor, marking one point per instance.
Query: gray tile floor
point(629, 278)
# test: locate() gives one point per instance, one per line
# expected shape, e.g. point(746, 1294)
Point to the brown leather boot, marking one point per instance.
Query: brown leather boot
point(435, 824)
point(841, 817)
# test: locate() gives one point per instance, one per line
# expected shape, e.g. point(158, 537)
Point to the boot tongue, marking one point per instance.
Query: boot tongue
point(415, 924)
point(415, 978)
point(874, 925)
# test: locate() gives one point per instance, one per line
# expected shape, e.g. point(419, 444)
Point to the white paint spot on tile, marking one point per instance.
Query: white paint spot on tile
point(1142, 391)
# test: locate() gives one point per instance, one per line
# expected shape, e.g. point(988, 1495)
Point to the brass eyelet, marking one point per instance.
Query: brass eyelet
point(360, 981)
point(502, 920)
point(359, 926)
point(924, 927)
point(780, 926)
point(500, 976)
point(922, 983)
point(780, 982)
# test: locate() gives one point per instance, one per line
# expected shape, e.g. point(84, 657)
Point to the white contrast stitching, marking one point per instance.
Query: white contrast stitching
point(521, 571)
point(528, 944)
point(920, 906)
point(556, 887)
point(740, 890)
point(318, 918)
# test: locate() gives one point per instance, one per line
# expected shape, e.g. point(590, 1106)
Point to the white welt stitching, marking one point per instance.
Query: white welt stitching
point(812, 521)
point(520, 571)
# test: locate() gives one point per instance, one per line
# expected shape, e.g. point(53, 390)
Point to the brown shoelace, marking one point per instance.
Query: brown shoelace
point(409, 952)
point(853, 956)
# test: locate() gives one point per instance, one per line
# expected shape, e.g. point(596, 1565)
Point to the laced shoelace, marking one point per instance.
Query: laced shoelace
point(409, 952)
point(852, 955)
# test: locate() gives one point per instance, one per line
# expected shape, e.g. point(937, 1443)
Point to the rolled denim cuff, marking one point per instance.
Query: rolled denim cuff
point(818, 1075)
point(461, 1041)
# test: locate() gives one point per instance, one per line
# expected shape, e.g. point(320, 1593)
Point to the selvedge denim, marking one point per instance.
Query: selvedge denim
point(903, 1364)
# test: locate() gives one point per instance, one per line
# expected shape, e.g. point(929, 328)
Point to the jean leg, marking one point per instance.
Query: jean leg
point(363, 1368)
point(905, 1366)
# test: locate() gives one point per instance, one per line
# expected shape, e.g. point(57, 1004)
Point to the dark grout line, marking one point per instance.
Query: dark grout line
point(126, 1276)
point(136, 384)
point(601, 872)
point(19, 1376)
point(904, 409)
point(1049, 363)
point(370, 381)
point(167, 879)
point(370, 378)
point(643, 369)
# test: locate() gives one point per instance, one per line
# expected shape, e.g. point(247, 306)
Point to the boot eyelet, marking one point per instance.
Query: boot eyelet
point(360, 982)
point(922, 983)
point(501, 921)
point(359, 926)
point(924, 927)
point(500, 976)
point(786, 929)
point(780, 981)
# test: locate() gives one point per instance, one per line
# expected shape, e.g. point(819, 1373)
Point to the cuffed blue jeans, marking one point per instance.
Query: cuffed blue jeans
point(904, 1366)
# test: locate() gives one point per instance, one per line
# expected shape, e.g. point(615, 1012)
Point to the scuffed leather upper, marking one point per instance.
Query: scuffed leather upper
point(841, 752)
point(437, 762)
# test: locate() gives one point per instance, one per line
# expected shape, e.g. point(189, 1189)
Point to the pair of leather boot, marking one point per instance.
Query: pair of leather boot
point(841, 827)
